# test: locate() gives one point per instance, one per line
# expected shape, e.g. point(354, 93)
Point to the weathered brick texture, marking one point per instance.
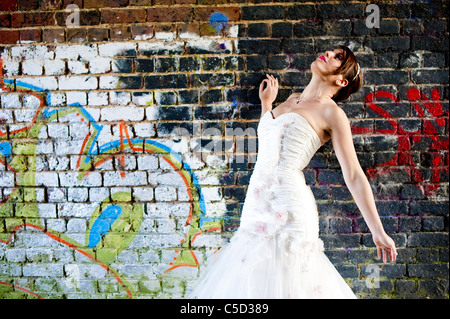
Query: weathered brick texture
point(128, 137)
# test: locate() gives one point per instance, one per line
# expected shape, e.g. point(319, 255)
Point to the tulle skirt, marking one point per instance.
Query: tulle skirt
point(258, 267)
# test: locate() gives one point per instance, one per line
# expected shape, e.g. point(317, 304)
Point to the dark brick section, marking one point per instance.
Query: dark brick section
point(198, 72)
point(166, 81)
point(340, 10)
point(263, 12)
point(264, 46)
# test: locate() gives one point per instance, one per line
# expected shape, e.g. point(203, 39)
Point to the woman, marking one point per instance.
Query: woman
point(276, 252)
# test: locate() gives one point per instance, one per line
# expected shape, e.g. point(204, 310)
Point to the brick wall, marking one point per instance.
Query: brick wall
point(128, 136)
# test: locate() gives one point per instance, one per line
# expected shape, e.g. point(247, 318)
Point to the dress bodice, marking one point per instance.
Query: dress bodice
point(278, 199)
point(287, 141)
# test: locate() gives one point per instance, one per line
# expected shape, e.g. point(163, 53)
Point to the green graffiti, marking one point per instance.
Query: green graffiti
point(117, 220)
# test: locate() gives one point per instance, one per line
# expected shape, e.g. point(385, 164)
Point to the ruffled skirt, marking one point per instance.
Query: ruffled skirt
point(258, 267)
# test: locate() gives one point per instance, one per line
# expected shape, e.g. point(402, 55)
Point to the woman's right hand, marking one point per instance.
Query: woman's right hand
point(269, 93)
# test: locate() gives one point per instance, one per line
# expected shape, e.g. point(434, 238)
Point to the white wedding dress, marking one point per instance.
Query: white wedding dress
point(276, 252)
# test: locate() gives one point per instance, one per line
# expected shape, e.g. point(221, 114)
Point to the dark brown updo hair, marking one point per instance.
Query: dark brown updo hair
point(349, 69)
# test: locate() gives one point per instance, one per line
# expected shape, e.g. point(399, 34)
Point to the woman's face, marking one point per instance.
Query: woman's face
point(328, 63)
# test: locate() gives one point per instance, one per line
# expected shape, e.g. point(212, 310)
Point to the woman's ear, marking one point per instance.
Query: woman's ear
point(342, 82)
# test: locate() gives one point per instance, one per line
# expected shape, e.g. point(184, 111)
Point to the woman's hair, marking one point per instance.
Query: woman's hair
point(351, 71)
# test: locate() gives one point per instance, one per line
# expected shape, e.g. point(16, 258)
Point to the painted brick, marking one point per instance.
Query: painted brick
point(122, 113)
point(71, 179)
point(119, 98)
point(47, 210)
point(38, 52)
point(56, 195)
point(10, 101)
point(209, 240)
point(144, 194)
point(99, 65)
point(76, 225)
point(77, 67)
point(32, 67)
point(131, 179)
point(47, 179)
point(144, 130)
point(77, 83)
point(149, 79)
point(165, 193)
point(10, 68)
point(75, 52)
point(67, 147)
point(49, 83)
point(142, 98)
point(54, 67)
point(158, 48)
point(45, 270)
point(208, 47)
point(75, 210)
point(39, 255)
point(85, 271)
point(15, 255)
point(74, 98)
point(98, 194)
point(117, 49)
point(97, 98)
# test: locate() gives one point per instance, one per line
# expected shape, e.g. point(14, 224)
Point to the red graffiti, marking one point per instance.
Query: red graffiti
point(434, 119)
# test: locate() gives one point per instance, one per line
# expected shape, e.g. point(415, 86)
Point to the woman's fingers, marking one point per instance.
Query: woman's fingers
point(269, 82)
point(268, 88)
point(261, 86)
point(384, 253)
point(393, 252)
point(381, 253)
point(392, 255)
point(385, 247)
point(273, 79)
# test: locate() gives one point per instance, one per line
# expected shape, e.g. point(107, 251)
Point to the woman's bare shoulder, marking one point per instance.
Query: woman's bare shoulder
point(331, 109)
point(334, 115)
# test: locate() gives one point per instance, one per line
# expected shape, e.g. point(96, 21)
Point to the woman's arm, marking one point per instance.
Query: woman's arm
point(268, 94)
point(357, 182)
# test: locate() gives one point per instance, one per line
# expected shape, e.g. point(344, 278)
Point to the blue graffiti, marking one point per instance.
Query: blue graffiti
point(5, 149)
point(103, 224)
point(218, 21)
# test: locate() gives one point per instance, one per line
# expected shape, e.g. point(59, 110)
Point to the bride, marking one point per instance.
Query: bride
point(277, 252)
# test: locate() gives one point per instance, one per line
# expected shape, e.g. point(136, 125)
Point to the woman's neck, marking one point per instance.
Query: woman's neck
point(318, 89)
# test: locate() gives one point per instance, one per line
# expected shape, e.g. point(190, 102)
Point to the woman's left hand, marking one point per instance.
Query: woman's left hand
point(385, 245)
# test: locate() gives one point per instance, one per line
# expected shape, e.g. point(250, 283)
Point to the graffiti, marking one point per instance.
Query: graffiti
point(73, 19)
point(434, 117)
point(58, 238)
point(117, 220)
point(373, 277)
point(218, 21)
point(373, 19)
